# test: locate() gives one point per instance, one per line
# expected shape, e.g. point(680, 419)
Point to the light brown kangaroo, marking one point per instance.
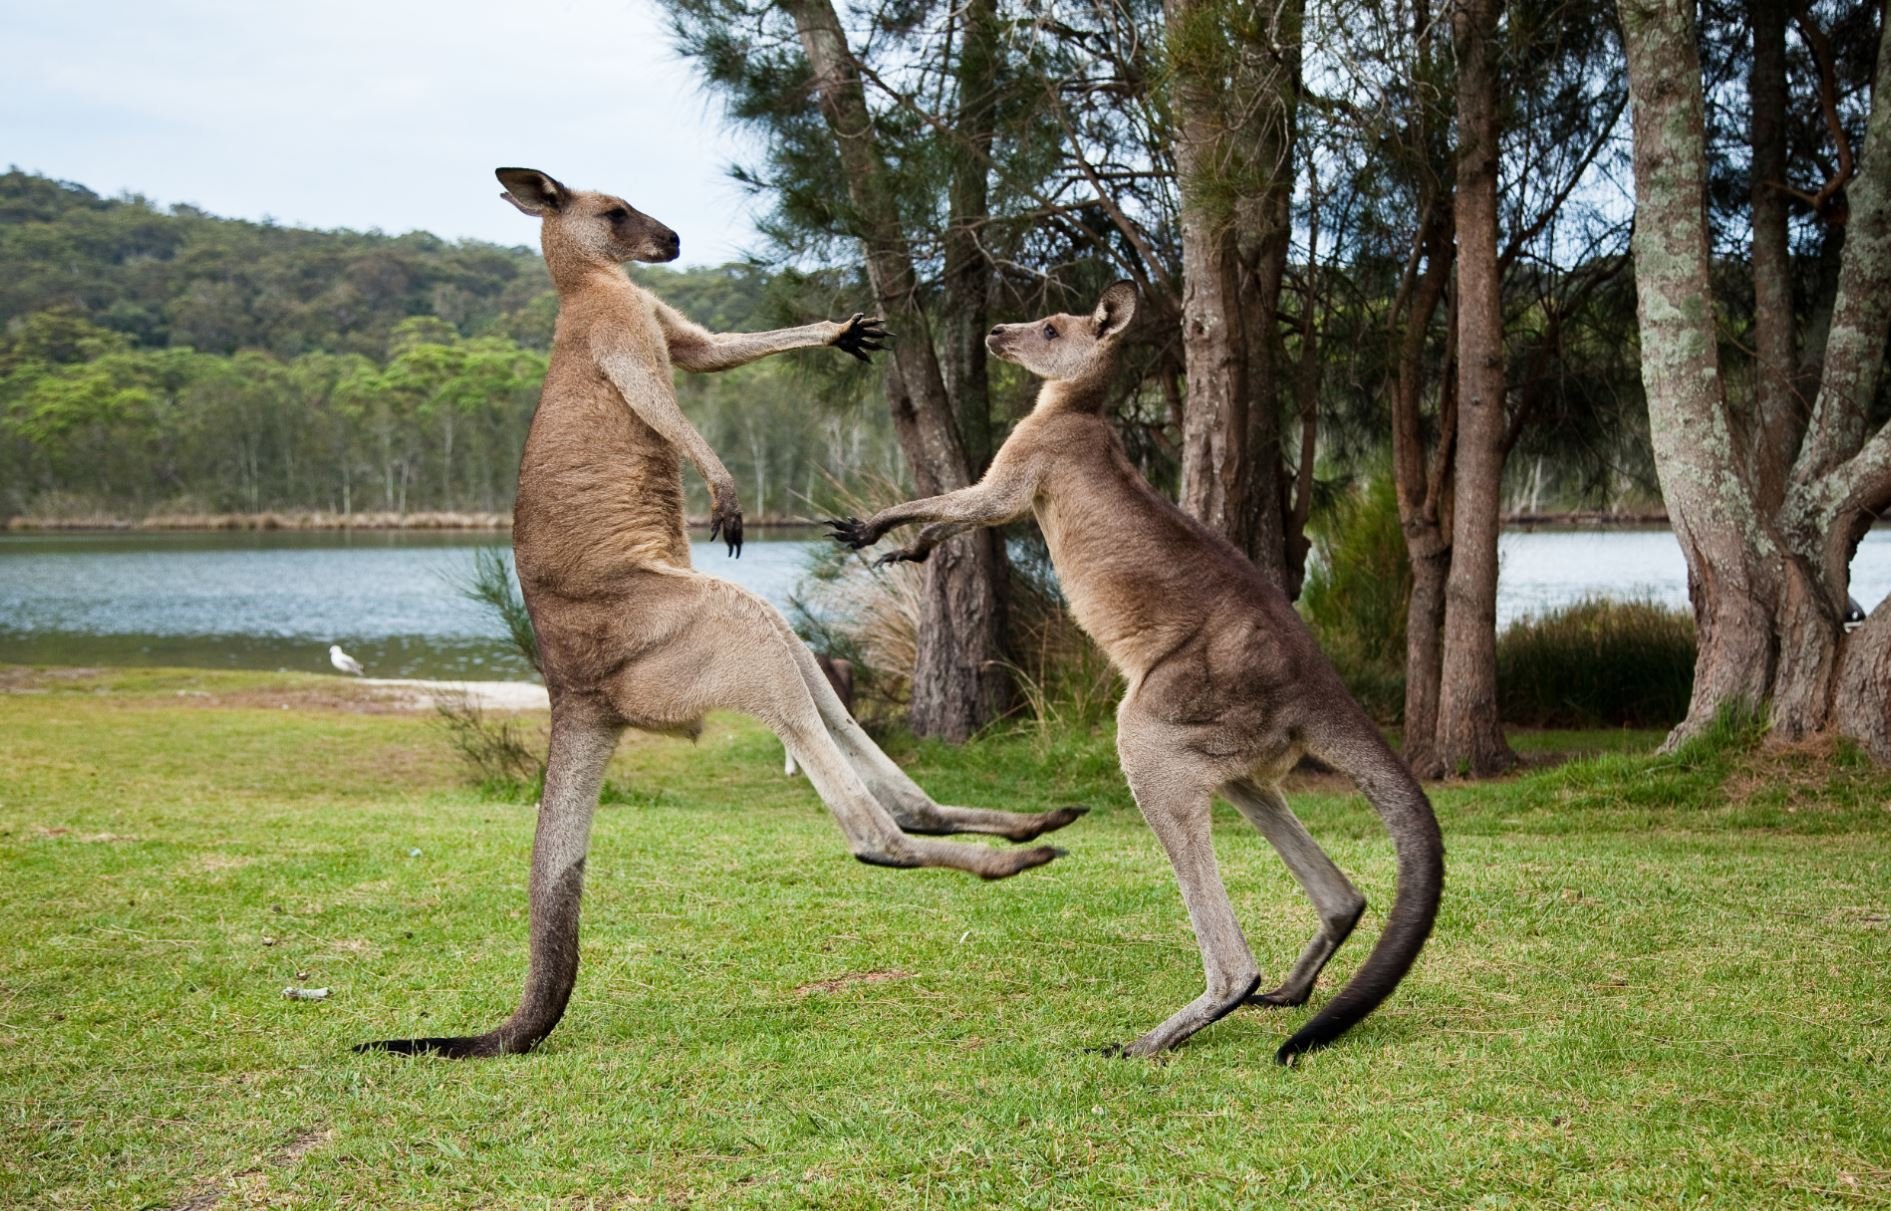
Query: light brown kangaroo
point(629, 635)
point(1226, 687)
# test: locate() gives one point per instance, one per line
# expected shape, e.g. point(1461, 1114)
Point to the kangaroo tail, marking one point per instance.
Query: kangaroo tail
point(1407, 815)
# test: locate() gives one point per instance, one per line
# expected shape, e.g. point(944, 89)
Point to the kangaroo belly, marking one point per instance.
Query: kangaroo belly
point(1119, 590)
point(600, 492)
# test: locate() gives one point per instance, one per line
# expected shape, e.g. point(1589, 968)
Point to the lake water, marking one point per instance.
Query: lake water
point(278, 599)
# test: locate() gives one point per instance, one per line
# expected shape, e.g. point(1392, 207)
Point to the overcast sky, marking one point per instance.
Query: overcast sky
point(350, 113)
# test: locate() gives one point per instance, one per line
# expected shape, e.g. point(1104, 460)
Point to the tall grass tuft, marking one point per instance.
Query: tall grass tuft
point(490, 584)
point(499, 757)
point(1355, 594)
point(1597, 663)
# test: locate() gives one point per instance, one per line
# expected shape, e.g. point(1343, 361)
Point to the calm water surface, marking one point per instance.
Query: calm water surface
point(277, 600)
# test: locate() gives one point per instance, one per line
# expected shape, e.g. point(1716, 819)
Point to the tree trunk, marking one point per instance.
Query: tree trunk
point(967, 276)
point(1775, 357)
point(1840, 481)
point(1732, 559)
point(1861, 706)
point(1768, 577)
point(1470, 735)
point(959, 682)
point(1215, 424)
point(1424, 493)
point(1267, 81)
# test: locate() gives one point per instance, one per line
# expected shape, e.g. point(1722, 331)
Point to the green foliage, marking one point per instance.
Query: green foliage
point(1355, 594)
point(170, 361)
point(1597, 663)
point(181, 277)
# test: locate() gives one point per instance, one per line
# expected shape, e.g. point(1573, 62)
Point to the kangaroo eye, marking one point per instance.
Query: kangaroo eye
point(1050, 332)
point(617, 214)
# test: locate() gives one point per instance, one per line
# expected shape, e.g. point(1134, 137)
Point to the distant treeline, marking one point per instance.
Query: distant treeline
point(159, 360)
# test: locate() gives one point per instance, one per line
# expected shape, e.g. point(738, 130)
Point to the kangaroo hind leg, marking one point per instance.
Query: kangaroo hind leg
point(581, 747)
point(1176, 804)
point(1334, 897)
point(759, 673)
point(913, 809)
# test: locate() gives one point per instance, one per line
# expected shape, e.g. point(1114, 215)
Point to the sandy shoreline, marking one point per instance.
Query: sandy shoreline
point(420, 695)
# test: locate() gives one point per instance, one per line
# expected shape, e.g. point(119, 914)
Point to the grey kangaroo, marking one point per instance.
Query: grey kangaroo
point(1226, 688)
point(629, 634)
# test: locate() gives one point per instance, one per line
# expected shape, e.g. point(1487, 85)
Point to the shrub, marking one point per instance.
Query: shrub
point(1355, 594)
point(1597, 663)
point(490, 584)
point(500, 759)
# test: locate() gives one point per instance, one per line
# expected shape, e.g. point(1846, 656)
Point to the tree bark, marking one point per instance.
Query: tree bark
point(966, 302)
point(1215, 421)
point(1424, 493)
point(959, 682)
point(1470, 737)
point(1267, 82)
point(1862, 702)
point(1732, 559)
point(1776, 410)
point(1840, 481)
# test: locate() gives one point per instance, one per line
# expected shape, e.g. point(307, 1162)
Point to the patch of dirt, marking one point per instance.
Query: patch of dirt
point(1806, 770)
point(20, 679)
point(855, 977)
point(251, 1185)
point(344, 697)
point(375, 697)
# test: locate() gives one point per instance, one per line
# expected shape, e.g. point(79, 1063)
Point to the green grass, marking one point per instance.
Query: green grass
point(1655, 981)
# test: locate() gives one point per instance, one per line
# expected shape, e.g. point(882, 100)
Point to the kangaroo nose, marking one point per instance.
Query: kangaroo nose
point(997, 329)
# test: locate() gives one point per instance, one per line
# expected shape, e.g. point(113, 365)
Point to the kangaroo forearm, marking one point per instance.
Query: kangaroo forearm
point(938, 532)
point(707, 352)
point(655, 404)
point(978, 505)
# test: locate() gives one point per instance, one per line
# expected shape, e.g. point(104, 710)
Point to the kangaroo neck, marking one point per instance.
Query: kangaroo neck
point(1085, 393)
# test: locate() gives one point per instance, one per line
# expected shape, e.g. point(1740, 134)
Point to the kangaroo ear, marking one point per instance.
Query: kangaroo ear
point(532, 191)
point(1115, 309)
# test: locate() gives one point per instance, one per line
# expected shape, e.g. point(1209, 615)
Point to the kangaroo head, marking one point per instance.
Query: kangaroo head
point(582, 226)
point(1060, 348)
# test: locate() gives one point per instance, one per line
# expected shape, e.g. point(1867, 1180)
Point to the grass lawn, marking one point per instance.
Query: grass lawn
point(1655, 981)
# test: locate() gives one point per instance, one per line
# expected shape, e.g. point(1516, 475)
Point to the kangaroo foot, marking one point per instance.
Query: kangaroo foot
point(936, 820)
point(1048, 822)
point(987, 863)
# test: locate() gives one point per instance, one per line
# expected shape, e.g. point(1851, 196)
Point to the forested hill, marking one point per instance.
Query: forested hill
point(175, 277)
point(165, 360)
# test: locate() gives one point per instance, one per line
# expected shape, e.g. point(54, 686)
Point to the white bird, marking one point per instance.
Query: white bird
point(342, 660)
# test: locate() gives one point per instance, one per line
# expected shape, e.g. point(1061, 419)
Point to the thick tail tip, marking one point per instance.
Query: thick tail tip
point(448, 1048)
point(1297, 1046)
